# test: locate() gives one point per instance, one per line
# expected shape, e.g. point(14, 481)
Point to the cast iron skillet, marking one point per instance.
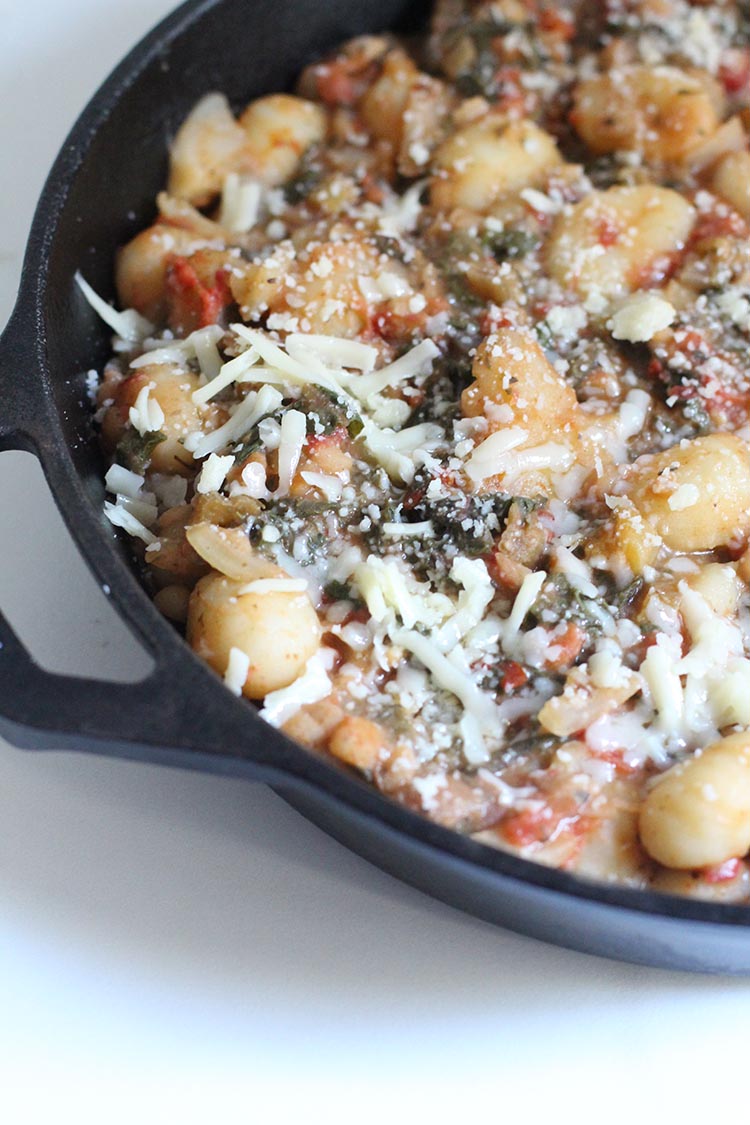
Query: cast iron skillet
point(99, 193)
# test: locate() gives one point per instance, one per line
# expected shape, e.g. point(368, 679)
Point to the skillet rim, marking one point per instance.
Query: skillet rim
point(327, 783)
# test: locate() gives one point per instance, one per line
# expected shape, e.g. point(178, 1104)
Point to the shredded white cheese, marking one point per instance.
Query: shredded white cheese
point(417, 361)
point(214, 473)
point(128, 325)
point(331, 487)
point(274, 586)
point(313, 685)
point(479, 704)
point(252, 408)
point(659, 671)
point(293, 436)
point(122, 481)
point(483, 461)
point(200, 345)
point(241, 198)
point(332, 351)
point(238, 369)
point(530, 589)
point(146, 416)
point(118, 515)
point(238, 667)
point(423, 530)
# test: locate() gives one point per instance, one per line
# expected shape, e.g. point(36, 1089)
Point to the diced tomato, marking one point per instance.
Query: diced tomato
point(493, 319)
point(734, 70)
point(373, 190)
point(546, 522)
point(607, 232)
point(395, 323)
point(691, 340)
point(193, 304)
point(554, 23)
point(568, 645)
point(616, 759)
point(722, 872)
point(659, 269)
point(529, 826)
point(512, 95)
point(335, 84)
point(361, 615)
point(718, 223)
point(391, 325)
point(336, 437)
point(513, 676)
point(736, 549)
point(542, 822)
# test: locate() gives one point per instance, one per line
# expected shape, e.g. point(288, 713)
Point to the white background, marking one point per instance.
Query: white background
point(178, 948)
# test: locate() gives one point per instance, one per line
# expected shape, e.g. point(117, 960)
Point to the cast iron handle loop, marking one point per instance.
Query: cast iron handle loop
point(19, 429)
point(180, 714)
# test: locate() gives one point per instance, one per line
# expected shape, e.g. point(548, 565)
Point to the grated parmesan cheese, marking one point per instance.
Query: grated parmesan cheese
point(686, 496)
point(400, 214)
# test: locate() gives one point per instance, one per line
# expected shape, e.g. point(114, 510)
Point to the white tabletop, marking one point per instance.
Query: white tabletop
point(182, 948)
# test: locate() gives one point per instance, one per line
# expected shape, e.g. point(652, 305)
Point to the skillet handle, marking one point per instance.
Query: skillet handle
point(39, 709)
point(179, 714)
point(165, 719)
point(22, 407)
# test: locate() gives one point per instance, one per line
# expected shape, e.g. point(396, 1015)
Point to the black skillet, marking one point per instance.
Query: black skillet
point(99, 193)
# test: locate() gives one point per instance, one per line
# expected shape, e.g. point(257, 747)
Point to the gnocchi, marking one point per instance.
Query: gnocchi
point(616, 241)
point(662, 113)
point(697, 495)
point(488, 159)
point(698, 814)
point(277, 631)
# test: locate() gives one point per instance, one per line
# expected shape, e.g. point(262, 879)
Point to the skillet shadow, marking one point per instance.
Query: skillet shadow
point(217, 884)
